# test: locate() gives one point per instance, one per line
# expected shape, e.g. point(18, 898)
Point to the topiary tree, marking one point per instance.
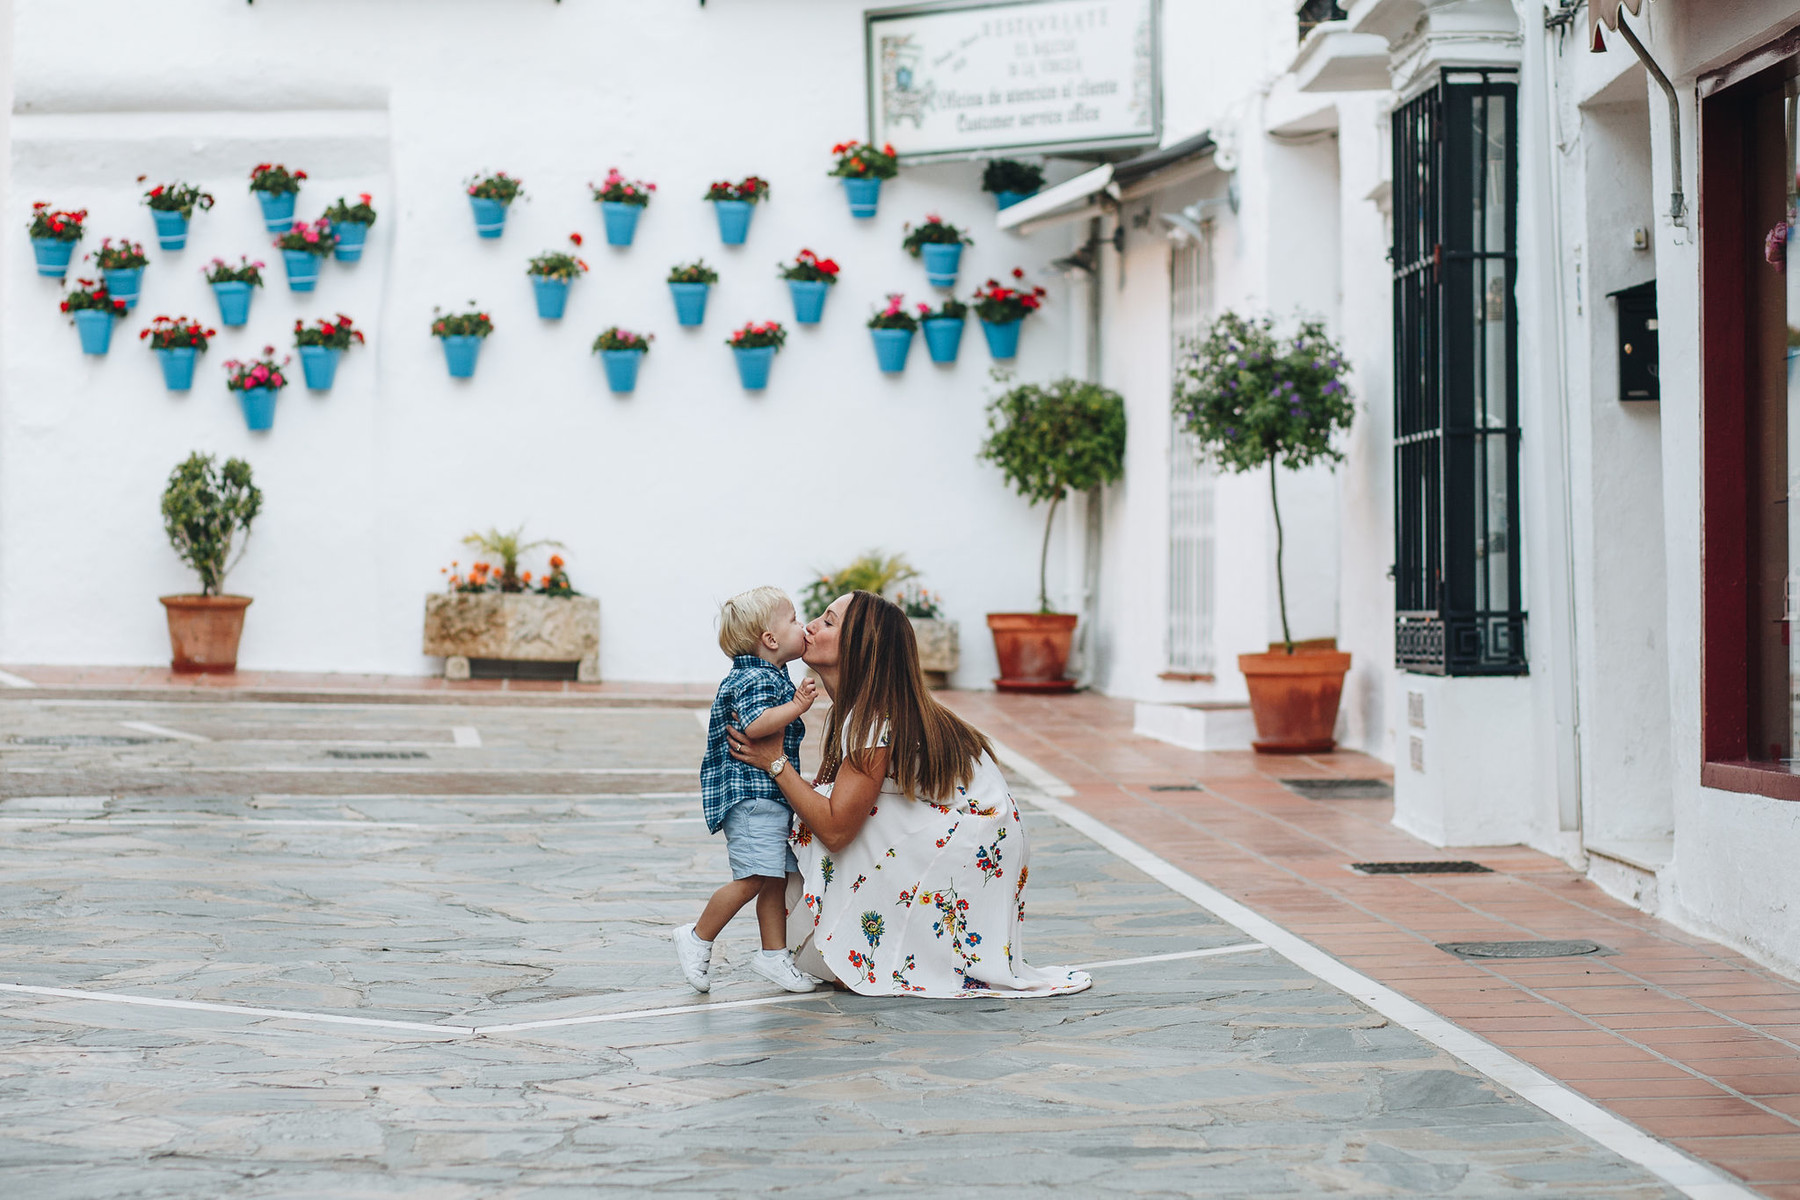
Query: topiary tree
point(1049, 438)
point(1253, 399)
point(205, 510)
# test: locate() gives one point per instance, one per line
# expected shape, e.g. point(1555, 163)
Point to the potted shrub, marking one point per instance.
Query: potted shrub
point(172, 206)
point(503, 614)
point(551, 274)
point(205, 511)
point(1254, 400)
point(462, 335)
point(621, 202)
point(893, 577)
point(1011, 181)
point(351, 224)
point(734, 204)
point(122, 266)
point(1002, 310)
point(489, 197)
point(53, 237)
point(940, 244)
point(809, 279)
point(93, 310)
point(754, 348)
point(320, 345)
point(622, 353)
point(892, 329)
point(689, 283)
point(233, 286)
point(275, 187)
point(862, 168)
point(1049, 439)
point(257, 383)
point(177, 342)
point(303, 248)
point(944, 330)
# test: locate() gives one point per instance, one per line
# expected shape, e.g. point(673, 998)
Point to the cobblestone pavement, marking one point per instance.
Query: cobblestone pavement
point(449, 975)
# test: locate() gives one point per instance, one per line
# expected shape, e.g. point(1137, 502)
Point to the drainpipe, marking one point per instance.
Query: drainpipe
point(1091, 549)
point(1677, 204)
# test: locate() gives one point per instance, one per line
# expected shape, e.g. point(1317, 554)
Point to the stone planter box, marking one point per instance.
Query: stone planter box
point(939, 652)
point(515, 627)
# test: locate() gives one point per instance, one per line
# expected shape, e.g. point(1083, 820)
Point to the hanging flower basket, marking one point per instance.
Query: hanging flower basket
point(734, 204)
point(944, 330)
point(122, 265)
point(275, 188)
point(892, 330)
point(862, 168)
point(351, 224)
point(303, 248)
point(258, 384)
point(177, 343)
point(93, 309)
point(233, 287)
point(172, 206)
point(53, 237)
point(489, 197)
point(621, 202)
point(809, 279)
point(621, 354)
point(689, 284)
point(320, 345)
point(754, 348)
point(551, 274)
point(462, 335)
point(1003, 310)
point(1010, 181)
point(940, 244)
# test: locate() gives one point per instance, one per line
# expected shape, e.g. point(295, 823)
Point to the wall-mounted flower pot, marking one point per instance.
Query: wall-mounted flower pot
point(171, 228)
point(1294, 697)
point(460, 354)
point(490, 216)
point(302, 269)
point(53, 255)
point(753, 364)
point(513, 627)
point(1033, 649)
point(95, 327)
point(234, 301)
point(1002, 338)
point(690, 302)
point(204, 632)
point(259, 406)
point(1008, 199)
point(864, 196)
point(734, 220)
point(319, 364)
point(178, 367)
point(552, 296)
point(943, 336)
point(277, 210)
point(891, 347)
point(942, 260)
point(809, 299)
point(352, 236)
point(622, 369)
point(125, 283)
point(621, 221)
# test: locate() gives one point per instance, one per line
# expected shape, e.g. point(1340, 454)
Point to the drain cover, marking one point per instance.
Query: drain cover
point(1568, 949)
point(1176, 787)
point(83, 739)
point(1420, 868)
point(1340, 789)
point(376, 754)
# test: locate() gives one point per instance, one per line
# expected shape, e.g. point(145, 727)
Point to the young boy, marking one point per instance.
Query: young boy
point(761, 632)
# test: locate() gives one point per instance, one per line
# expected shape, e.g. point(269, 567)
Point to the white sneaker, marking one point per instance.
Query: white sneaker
point(695, 957)
point(777, 967)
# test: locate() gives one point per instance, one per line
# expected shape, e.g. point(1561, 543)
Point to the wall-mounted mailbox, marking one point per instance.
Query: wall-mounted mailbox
point(1637, 342)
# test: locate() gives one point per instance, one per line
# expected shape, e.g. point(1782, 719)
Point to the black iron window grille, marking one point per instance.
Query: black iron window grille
point(1458, 597)
point(1318, 12)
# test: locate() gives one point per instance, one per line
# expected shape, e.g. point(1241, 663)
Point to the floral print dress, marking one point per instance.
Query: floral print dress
point(929, 900)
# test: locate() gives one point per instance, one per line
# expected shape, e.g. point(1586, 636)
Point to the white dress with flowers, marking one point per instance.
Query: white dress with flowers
point(929, 899)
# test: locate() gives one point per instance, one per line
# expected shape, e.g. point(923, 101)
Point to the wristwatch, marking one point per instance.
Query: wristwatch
point(777, 767)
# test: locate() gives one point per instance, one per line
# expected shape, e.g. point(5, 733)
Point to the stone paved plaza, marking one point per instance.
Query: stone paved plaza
point(449, 928)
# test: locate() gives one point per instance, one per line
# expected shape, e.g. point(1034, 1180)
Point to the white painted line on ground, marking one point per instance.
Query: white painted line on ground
point(1688, 1175)
point(8, 679)
point(193, 822)
point(245, 1009)
point(151, 727)
point(310, 769)
point(636, 1014)
point(466, 736)
point(1240, 948)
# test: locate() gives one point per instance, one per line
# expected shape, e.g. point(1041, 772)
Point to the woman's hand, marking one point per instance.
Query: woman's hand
point(760, 753)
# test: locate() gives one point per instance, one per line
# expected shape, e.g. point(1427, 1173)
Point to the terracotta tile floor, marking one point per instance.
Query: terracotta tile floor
point(1692, 1042)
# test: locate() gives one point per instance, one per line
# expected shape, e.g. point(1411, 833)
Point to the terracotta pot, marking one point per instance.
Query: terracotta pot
point(204, 632)
point(1033, 649)
point(1294, 697)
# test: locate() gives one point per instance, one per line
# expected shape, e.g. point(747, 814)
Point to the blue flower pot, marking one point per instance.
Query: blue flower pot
point(234, 302)
point(352, 236)
point(319, 365)
point(864, 195)
point(621, 222)
point(1002, 339)
point(690, 302)
point(622, 369)
point(1008, 199)
point(277, 210)
point(943, 336)
point(809, 299)
point(891, 347)
point(53, 255)
point(942, 259)
point(302, 269)
point(552, 296)
point(124, 283)
point(171, 228)
point(178, 367)
point(259, 406)
point(753, 366)
point(95, 328)
point(460, 354)
point(734, 220)
point(490, 217)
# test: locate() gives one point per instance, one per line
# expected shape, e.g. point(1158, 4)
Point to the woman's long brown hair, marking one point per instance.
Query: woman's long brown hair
point(932, 751)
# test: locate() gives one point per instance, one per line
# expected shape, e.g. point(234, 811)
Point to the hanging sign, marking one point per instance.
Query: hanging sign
point(1032, 76)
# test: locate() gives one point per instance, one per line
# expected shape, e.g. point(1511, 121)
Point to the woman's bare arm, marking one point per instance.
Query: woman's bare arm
point(835, 819)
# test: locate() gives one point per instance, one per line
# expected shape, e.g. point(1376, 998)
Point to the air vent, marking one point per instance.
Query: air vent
point(83, 739)
point(1340, 789)
point(1176, 787)
point(1420, 868)
point(376, 754)
point(1547, 949)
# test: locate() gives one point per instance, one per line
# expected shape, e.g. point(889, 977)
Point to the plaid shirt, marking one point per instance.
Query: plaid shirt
point(751, 689)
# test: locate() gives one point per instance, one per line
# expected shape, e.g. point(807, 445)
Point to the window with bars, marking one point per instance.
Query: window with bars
point(1188, 648)
point(1458, 592)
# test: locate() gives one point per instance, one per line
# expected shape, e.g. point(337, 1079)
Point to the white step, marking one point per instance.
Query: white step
point(1205, 725)
point(1630, 869)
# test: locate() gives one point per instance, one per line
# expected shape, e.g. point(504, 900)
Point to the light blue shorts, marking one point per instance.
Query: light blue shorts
point(756, 839)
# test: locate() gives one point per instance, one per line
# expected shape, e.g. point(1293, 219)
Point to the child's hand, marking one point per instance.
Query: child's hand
point(805, 694)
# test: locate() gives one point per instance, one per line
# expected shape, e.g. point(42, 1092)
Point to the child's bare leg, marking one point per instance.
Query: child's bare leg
point(771, 912)
point(724, 905)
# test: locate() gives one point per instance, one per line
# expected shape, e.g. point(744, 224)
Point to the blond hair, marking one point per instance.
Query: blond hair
point(745, 617)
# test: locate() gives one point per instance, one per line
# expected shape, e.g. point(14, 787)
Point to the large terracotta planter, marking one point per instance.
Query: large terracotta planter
point(1294, 697)
point(1033, 649)
point(513, 627)
point(204, 632)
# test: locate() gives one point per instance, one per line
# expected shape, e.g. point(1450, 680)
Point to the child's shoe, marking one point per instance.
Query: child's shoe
point(696, 958)
point(777, 966)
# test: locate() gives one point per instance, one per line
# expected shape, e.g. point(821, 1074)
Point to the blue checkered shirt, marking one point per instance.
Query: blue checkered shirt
point(751, 689)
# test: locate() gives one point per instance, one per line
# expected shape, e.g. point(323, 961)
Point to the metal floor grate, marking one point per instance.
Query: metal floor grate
point(1421, 868)
point(1533, 949)
point(1176, 787)
point(1340, 789)
point(376, 754)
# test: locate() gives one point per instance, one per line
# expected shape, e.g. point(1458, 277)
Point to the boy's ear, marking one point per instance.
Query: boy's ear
point(770, 641)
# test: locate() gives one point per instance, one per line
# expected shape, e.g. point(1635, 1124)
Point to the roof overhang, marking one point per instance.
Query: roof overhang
point(1089, 194)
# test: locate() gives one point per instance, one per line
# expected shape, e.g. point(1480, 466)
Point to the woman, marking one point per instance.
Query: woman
point(912, 855)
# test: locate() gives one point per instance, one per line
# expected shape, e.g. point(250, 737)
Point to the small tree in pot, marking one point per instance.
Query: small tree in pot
point(1049, 439)
point(205, 511)
point(1253, 400)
